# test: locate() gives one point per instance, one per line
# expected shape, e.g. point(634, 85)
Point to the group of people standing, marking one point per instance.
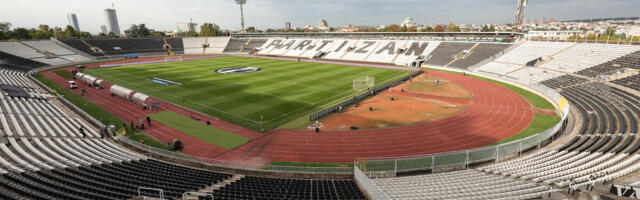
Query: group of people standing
point(155, 105)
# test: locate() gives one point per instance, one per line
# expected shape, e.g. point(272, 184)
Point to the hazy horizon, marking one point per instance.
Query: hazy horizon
point(262, 14)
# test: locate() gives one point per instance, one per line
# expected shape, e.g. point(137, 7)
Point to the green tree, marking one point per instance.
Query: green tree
point(492, 28)
point(393, 28)
point(485, 28)
point(70, 32)
point(438, 28)
point(57, 32)
point(426, 29)
point(251, 29)
point(452, 27)
point(140, 30)
point(191, 34)
point(20, 34)
point(158, 34)
point(111, 34)
point(404, 28)
point(209, 29)
point(5, 30)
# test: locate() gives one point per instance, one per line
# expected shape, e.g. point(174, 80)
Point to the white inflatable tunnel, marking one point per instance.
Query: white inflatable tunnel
point(140, 99)
point(120, 91)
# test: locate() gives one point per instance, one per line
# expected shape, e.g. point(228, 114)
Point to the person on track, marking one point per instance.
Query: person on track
point(149, 121)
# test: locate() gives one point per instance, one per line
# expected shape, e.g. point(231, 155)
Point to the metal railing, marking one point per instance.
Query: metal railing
point(237, 165)
point(368, 186)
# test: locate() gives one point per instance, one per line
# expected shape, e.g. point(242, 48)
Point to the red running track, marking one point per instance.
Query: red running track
point(495, 113)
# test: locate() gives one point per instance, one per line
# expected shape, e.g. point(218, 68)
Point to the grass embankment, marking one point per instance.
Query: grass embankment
point(99, 113)
point(210, 134)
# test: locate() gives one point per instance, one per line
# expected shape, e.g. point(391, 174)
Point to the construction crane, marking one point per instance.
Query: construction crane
point(520, 12)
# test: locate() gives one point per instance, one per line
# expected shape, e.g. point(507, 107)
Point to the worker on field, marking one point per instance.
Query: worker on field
point(141, 123)
point(437, 82)
point(149, 121)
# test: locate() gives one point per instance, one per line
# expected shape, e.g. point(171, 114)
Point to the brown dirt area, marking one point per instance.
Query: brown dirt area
point(422, 101)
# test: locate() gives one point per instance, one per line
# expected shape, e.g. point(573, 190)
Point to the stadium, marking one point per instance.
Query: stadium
point(320, 115)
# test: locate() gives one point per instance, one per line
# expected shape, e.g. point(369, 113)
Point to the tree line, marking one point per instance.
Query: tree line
point(42, 32)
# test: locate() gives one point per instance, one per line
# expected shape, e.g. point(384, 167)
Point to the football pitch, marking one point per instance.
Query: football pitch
point(261, 99)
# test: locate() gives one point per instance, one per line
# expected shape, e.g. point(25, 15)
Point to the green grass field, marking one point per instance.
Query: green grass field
point(281, 92)
point(210, 134)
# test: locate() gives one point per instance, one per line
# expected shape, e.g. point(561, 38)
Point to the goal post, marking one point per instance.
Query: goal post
point(363, 83)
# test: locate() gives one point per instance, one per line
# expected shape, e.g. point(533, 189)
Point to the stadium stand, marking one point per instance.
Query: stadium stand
point(48, 46)
point(176, 44)
point(499, 68)
point(43, 156)
point(447, 52)
point(582, 56)
point(217, 45)
point(205, 45)
point(20, 50)
point(128, 45)
point(235, 45)
point(532, 75)
point(479, 53)
point(193, 45)
point(17, 63)
point(252, 187)
point(253, 44)
point(47, 158)
point(531, 50)
point(563, 81)
point(81, 45)
point(465, 184)
point(631, 60)
point(632, 82)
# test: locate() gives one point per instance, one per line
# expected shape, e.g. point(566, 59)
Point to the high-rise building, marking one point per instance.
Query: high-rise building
point(533, 21)
point(112, 21)
point(323, 25)
point(73, 21)
point(526, 21)
point(103, 29)
point(287, 26)
point(541, 22)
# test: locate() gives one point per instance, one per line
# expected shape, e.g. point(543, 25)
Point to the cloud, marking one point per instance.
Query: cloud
point(164, 14)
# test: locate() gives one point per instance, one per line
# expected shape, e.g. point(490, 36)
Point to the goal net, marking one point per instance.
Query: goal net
point(173, 59)
point(363, 83)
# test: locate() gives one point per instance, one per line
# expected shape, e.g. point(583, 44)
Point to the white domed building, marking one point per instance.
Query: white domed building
point(408, 22)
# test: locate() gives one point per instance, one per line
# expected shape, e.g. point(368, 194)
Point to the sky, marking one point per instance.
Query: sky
point(164, 14)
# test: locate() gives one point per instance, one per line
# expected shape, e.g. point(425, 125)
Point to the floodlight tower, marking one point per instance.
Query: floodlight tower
point(241, 2)
point(520, 12)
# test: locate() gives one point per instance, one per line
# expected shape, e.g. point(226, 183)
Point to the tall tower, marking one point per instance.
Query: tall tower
point(520, 11)
point(241, 2)
point(112, 21)
point(73, 21)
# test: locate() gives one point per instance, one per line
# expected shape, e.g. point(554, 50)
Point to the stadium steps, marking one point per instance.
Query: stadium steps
point(564, 50)
point(347, 52)
point(404, 46)
point(456, 58)
point(244, 45)
point(207, 190)
point(169, 52)
point(206, 41)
